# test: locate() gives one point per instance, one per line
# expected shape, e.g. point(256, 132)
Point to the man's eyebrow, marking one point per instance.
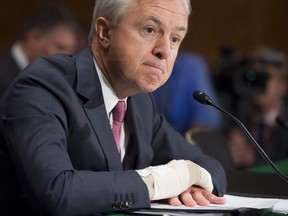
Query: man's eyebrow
point(159, 23)
point(154, 19)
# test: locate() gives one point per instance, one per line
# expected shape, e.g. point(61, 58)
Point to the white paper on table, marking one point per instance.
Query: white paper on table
point(232, 202)
point(281, 206)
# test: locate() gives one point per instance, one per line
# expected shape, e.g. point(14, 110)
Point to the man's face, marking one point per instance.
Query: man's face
point(60, 40)
point(143, 48)
point(274, 91)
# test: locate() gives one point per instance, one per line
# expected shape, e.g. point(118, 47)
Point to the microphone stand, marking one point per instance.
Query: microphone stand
point(201, 97)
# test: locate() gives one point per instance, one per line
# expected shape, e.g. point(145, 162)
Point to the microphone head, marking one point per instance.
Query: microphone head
point(202, 98)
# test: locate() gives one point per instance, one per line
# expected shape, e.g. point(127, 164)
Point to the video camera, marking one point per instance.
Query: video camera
point(239, 77)
point(248, 81)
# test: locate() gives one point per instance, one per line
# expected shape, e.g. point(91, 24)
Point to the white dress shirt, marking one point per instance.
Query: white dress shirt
point(19, 56)
point(110, 101)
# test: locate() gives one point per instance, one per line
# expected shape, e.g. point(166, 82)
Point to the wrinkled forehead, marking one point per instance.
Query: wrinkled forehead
point(175, 6)
point(169, 11)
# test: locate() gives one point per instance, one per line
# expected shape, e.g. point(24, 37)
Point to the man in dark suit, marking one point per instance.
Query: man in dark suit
point(50, 30)
point(59, 118)
point(266, 105)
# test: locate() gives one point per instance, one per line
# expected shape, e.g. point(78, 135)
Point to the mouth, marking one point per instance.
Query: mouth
point(155, 68)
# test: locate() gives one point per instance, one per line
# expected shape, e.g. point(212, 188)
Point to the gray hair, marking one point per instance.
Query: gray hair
point(114, 10)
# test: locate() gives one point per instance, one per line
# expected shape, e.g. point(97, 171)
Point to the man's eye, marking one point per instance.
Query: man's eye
point(175, 39)
point(149, 30)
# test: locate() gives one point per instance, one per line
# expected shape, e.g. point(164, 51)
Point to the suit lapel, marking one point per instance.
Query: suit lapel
point(99, 121)
point(89, 87)
point(139, 150)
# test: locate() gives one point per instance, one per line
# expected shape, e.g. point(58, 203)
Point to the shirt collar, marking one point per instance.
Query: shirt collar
point(110, 97)
point(268, 118)
point(19, 56)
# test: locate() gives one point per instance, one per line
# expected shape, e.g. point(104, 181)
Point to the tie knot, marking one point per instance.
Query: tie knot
point(119, 111)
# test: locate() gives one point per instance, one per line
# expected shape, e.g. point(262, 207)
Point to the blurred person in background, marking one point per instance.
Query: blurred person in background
point(266, 82)
point(200, 125)
point(174, 99)
point(50, 30)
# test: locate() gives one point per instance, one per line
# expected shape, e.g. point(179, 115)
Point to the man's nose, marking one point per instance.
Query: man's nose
point(162, 48)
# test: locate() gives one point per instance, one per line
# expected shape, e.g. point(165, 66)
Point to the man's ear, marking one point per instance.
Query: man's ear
point(103, 27)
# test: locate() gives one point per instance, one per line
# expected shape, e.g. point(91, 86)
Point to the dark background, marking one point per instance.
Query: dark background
point(242, 24)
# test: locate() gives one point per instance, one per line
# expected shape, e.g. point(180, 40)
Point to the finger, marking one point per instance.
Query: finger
point(174, 201)
point(214, 199)
point(187, 199)
point(200, 199)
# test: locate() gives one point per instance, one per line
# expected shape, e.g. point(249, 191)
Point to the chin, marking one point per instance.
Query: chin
point(148, 89)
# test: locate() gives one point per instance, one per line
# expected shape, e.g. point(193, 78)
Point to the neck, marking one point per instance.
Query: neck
point(263, 110)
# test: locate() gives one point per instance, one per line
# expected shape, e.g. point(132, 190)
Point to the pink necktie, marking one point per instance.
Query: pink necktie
point(118, 118)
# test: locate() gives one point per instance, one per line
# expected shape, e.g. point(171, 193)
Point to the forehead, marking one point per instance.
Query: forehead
point(167, 9)
point(174, 6)
point(61, 29)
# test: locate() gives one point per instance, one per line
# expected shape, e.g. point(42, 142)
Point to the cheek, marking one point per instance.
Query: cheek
point(271, 93)
point(274, 88)
point(121, 56)
point(48, 47)
point(170, 65)
point(165, 77)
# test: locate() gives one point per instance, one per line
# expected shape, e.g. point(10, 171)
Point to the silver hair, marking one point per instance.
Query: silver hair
point(114, 10)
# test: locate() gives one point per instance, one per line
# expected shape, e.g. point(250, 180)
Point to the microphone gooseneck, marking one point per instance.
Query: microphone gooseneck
point(203, 98)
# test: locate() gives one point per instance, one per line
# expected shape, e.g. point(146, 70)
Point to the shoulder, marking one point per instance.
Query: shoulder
point(54, 69)
point(57, 62)
point(142, 104)
point(142, 100)
point(52, 74)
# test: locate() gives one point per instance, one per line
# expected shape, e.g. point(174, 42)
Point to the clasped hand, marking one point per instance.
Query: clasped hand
point(196, 196)
point(181, 182)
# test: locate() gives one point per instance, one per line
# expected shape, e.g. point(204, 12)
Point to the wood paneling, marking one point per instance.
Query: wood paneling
point(242, 24)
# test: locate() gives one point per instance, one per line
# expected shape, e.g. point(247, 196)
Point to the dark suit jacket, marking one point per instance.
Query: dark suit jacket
point(62, 147)
point(8, 71)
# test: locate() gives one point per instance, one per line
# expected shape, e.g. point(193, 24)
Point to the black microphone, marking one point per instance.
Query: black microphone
point(203, 98)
